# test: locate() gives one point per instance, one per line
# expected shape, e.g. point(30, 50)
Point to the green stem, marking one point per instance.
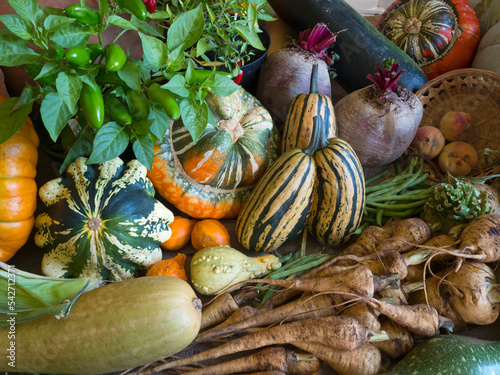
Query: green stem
point(417, 257)
point(412, 287)
point(377, 336)
point(493, 293)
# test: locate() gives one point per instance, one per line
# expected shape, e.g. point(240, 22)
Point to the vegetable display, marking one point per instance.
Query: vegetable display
point(440, 35)
point(359, 46)
point(18, 189)
point(114, 327)
point(102, 221)
point(384, 113)
point(212, 177)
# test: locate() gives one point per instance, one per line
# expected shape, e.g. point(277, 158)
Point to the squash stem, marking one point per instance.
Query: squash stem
point(318, 137)
point(313, 88)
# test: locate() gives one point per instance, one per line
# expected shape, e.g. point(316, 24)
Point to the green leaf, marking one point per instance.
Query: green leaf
point(71, 85)
point(55, 114)
point(223, 86)
point(131, 74)
point(176, 59)
point(250, 36)
point(12, 120)
point(49, 68)
point(186, 29)
point(177, 85)
point(203, 46)
point(121, 22)
point(194, 116)
point(54, 22)
point(27, 98)
point(29, 10)
point(146, 28)
point(144, 150)
point(160, 123)
point(110, 142)
point(17, 25)
point(155, 52)
point(15, 51)
point(103, 7)
point(72, 35)
point(81, 147)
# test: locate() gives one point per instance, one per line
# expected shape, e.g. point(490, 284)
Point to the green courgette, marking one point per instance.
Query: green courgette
point(450, 354)
point(359, 44)
point(115, 327)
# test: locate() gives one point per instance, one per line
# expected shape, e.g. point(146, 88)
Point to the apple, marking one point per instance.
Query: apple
point(429, 140)
point(458, 158)
point(457, 126)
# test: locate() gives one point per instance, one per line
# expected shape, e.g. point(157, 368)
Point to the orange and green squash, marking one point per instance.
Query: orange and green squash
point(212, 177)
point(440, 35)
point(18, 189)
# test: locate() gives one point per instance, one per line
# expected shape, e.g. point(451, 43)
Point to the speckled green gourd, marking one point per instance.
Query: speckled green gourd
point(102, 221)
point(216, 268)
point(450, 354)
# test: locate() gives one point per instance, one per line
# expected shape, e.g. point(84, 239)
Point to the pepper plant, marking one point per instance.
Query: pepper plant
point(94, 97)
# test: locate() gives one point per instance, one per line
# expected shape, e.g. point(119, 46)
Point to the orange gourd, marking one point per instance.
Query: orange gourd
point(181, 229)
point(170, 267)
point(209, 233)
point(18, 189)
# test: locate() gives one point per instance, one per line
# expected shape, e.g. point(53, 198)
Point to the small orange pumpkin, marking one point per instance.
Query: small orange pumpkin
point(209, 233)
point(18, 189)
point(170, 267)
point(181, 229)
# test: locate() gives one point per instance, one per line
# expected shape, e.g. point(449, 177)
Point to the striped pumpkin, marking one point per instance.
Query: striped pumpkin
point(440, 35)
point(102, 221)
point(338, 199)
point(299, 121)
point(212, 177)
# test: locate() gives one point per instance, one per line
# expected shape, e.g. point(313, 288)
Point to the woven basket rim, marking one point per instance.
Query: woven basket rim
point(493, 76)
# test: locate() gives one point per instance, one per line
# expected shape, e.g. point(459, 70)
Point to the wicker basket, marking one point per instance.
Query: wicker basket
point(474, 91)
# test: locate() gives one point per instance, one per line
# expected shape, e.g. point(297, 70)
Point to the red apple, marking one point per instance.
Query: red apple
point(429, 140)
point(457, 126)
point(458, 158)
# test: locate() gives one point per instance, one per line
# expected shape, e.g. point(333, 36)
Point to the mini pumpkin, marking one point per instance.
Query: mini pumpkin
point(440, 35)
point(101, 220)
point(212, 177)
point(18, 189)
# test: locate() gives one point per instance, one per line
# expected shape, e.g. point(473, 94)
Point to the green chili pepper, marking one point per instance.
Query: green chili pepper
point(117, 111)
point(94, 50)
point(82, 14)
point(138, 104)
point(56, 52)
point(135, 7)
point(166, 99)
point(115, 57)
point(200, 75)
point(78, 57)
point(92, 104)
point(34, 70)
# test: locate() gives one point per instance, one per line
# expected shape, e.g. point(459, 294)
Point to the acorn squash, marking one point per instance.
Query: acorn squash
point(18, 161)
point(212, 177)
point(439, 35)
point(101, 220)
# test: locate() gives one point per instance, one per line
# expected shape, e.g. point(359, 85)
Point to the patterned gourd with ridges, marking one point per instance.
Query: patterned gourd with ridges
point(338, 199)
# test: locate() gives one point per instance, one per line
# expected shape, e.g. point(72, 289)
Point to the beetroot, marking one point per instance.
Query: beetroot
point(287, 72)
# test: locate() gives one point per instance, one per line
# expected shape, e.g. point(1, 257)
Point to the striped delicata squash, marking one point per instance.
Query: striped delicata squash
point(212, 177)
point(320, 187)
point(101, 220)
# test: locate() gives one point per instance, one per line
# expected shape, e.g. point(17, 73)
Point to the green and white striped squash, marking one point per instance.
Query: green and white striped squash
point(101, 221)
point(338, 199)
point(212, 177)
point(299, 122)
point(311, 188)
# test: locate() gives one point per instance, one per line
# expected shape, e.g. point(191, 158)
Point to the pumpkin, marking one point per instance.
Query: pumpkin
point(304, 107)
point(18, 189)
point(440, 35)
point(321, 186)
point(488, 53)
point(102, 221)
point(212, 177)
